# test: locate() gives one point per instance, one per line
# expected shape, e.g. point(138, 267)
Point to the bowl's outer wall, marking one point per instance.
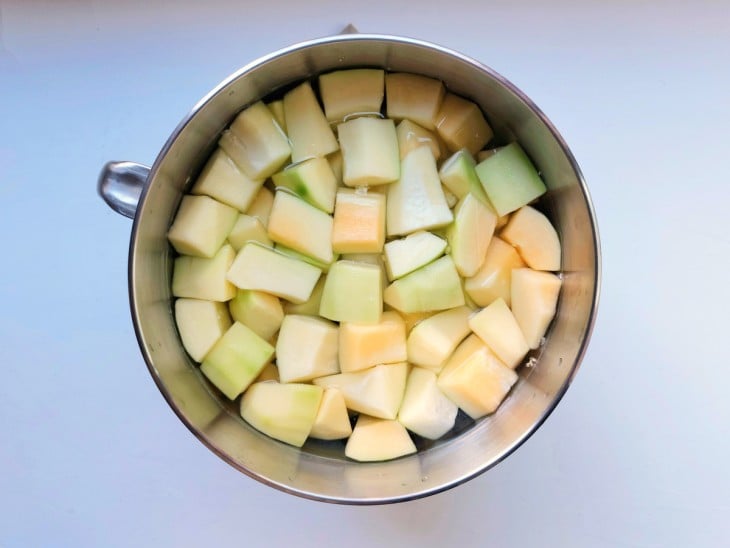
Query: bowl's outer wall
point(217, 424)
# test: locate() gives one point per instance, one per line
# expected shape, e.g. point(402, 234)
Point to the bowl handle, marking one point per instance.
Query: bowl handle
point(120, 186)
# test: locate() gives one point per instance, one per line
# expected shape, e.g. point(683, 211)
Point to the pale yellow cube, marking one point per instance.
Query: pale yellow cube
point(414, 97)
point(411, 136)
point(259, 311)
point(261, 206)
point(475, 379)
point(461, 124)
point(535, 238)
point(306, 348)
point(301, 226)
point(200, 324)
point(365, 345)
point(376, 439)
point(493, 279)
point(433, 340)
point(201, 226)
point(202, 278)
point(332, 421)
point(359, 222)
point(497, 327)
point(534, 301)
point(222, 180)
point(248, 229)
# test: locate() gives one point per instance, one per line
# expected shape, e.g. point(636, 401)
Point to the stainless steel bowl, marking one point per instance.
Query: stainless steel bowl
point(318, 471)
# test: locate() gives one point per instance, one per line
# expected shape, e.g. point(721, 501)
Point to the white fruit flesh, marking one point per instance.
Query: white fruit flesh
point(236, 359)
point(374, 440)
point(369, 152)
point(459, 175)
point(493, 280)
point(497, 327)
point(352, 292)
point(222, 180)
point(509, 179)
point(201, 324)
point(377, 391)
point(201, 226)
point(414, 97)
point(332, 421)
point(277, 111)
point(312, 180)
point(310, 307)
point(309, 132)
point(366, 345)
point(411, 136)
point(262, 268)
point(285, 412)
point(359, 222)
point(412, 252)
point(461, 124)
point(416, 201)
point(425, 410)
point(248, 229)
point(534, 300)
point(259, 311)
point(436, 286)
point(306, 348)
point(301, 226)
point(351, 92)
point(535, 238)
point(261, 206)
point(335, 162)
point(256, 142)
point(433, 340)
point(201, 278)
point(470, 233)
point(475, 379)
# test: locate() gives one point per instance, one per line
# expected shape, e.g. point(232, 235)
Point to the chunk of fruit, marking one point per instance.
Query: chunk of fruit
point(352, 293)
point(285, 412)
point(509, 179)
point(268, 373)
point(475, 379)
point(412, 252)
point(262, 268)
point(412, 96)
point(416, 201)
point(369, 152)
point(535, 239)
point(436, 286)
point(222, 180)
point(201, 278)
point(277, 111)
point(359, 222)
point(351, 92)
point(309, 132)
point(497, 327)
point(332, 421)
point(534, 300)
point(261, 206)
point(458, 174)
point(236, 359)
point(493, 280)
point(200, 324)
point(248, 229)
point(366, 345)
point(461, 124)
point(201, 226)
point(433, 340)
point(470, 233)
point(312, 180)
point(301, 226)
point(310, 307)
point(256, 142)
point(411, 136)
point(259, 311)
point(377, 439)
point(376, 391)
point(306, 348)
point(425, 410)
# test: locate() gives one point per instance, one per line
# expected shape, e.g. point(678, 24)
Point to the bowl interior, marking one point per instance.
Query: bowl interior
point(317, 471)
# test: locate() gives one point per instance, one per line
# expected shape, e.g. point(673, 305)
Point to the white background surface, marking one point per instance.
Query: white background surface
point(636, 454)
